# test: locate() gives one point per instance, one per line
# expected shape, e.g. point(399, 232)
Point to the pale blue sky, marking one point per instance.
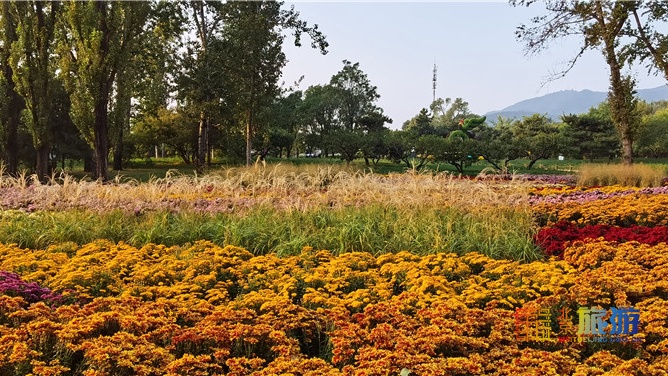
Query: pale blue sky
point(472, 43)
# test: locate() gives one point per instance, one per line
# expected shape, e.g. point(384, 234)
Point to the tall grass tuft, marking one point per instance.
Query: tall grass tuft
point(635, 175)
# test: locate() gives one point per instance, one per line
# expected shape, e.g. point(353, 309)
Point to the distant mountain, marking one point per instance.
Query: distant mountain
point(568, 102)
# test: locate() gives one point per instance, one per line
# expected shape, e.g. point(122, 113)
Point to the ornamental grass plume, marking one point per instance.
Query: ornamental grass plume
point(280, 187)
point(635, 175)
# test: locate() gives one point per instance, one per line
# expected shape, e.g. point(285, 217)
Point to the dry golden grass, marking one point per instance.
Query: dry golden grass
point(282, 187)
point(635, 175)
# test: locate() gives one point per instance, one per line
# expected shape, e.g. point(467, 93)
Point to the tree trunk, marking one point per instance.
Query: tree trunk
point(15, 103)
point(209, 152)
point(89, 162)
point(620, 95)
point(118, 151)
point(42, 166)
point(494, 164)
point(12, 127)
point(627, 151)
point(531, 163)
point(122, 113)
point(101, 132)
point(249, 123)
point(201, 143)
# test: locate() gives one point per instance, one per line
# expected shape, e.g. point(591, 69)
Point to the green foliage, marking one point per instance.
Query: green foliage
point(653, 136)
point(356, 95)
point(591, 135)
point(400, 147)
point(421, 124)
point(458, 152)
point(650, 43)
point(173, 128)
point(318, 112)
point(451, 113)
point(538, 136)
point(283, 119)
point(347, 143)
point(498, 146)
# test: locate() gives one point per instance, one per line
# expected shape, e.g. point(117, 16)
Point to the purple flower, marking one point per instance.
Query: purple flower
point(11, 284)
point(593, 195)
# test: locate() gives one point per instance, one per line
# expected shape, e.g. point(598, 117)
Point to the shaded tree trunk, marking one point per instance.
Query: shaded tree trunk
point(43, 168)
point(89, 162)
point(101, 131)
point(118, 151)
point(203, 130)
point(201, 142)
point(249, 123)
point(123, 112)
point(15, 103)
point(11, 123)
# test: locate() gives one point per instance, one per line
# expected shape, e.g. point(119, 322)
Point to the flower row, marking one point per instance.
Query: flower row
point(555, 195)
point(626, 210)
point(553, 239)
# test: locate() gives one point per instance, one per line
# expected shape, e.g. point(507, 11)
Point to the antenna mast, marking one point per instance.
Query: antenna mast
point(433, 86)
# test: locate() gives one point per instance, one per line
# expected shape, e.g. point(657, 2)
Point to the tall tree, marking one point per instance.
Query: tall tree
point(420, 124)
point(10, 110)
point(200, 83)
point(147, 76)
point(253, 45)
point(240, 58)
point(601, 25)
point(358, 96)
point(33, 72)
point(98, 40)
point(253, 37)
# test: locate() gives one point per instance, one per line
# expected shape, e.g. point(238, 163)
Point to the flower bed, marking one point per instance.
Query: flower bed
point(111, 308)
point(207, 310)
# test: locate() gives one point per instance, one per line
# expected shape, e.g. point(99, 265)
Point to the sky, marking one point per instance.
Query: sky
point(472, 43)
